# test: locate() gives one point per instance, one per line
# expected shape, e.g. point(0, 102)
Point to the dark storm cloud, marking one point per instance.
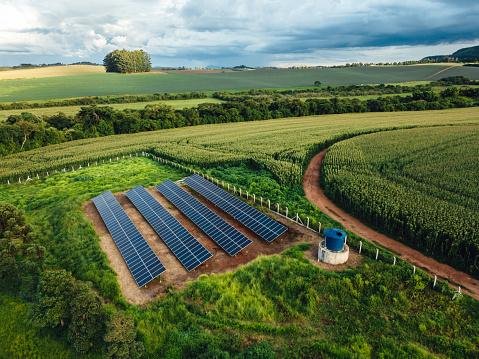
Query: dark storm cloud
point(210, 31)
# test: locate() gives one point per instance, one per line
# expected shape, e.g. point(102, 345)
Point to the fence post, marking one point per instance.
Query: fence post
point(287, 212)
point(261, 201)
point(228, 186)
point(435, 281)
point(413, 269)
point(240, 191)
point(319, 227)
point(234, 189)
point(254, 198)
point(269, 204)
point(360, 246)
point(277, 207)
point(307, 222)
point(247, 195)
point(377, 253)
point(394, 261)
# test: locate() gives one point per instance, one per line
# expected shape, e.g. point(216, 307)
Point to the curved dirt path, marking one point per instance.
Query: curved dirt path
point(315, 194)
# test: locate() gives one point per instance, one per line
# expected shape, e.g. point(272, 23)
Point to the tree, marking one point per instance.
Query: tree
point(54, 296)
point(120, 337)
point(125, 61)
point(87, 318)
point(317, 83)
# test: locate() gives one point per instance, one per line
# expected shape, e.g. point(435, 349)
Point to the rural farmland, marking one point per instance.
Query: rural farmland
point(239, 180)
point(100, 84)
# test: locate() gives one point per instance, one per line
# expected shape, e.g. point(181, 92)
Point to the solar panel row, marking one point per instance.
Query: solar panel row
point(265, 227)
point(226, 236)
point(184, 246)
point(142, 262)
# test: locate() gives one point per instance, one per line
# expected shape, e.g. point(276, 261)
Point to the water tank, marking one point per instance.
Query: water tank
point(335, 239)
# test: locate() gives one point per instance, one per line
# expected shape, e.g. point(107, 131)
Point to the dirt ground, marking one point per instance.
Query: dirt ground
point(176, 276)
point(315, 194)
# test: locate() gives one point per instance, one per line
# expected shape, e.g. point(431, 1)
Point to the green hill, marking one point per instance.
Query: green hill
point(465, 54)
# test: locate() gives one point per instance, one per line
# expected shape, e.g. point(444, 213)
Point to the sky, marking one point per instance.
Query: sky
point(200, 33)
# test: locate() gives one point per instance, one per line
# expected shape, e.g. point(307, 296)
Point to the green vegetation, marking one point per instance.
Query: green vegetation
point(125, 61)
point(73, 110)
point(26, 131)
point(19, 339)
point(281, 305)
point(111, 83)
point(419, 185)
point(282, 146)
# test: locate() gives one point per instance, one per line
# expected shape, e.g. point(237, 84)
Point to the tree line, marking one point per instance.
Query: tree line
point(126, 61)
point(27, 131)
point(102, 100)
point(60, 303)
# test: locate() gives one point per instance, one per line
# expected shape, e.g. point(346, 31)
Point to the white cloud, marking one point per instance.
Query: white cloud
point(229, 32)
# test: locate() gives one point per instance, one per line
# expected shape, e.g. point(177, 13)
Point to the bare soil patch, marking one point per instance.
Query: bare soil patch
point(176, 276)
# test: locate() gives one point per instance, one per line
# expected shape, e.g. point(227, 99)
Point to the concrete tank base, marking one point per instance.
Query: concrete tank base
point(327, 256)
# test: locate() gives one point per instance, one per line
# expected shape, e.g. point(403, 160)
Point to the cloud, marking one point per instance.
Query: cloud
point(202, 32)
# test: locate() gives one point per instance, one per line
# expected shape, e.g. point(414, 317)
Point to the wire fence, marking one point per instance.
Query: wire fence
point(364, 248)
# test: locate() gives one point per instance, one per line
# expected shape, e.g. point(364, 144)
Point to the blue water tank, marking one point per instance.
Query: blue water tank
point(335, 239)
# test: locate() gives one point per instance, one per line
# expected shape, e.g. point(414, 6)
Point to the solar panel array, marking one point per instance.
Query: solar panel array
point(184, 246)
point(142, 262)
point(226, 236)
point(265, 227)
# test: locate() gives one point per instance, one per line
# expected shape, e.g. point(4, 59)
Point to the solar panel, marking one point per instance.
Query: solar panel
point(184, 246)
point(226, 236)
point(265, 227)
point(142, 262)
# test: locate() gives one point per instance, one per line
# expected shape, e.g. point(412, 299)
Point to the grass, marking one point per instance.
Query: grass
point(279, 305)
point(72, 110)
point(110, 84)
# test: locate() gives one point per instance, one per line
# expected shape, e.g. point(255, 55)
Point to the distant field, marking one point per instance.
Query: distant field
point(97, 84)
point(50, 71)
point(72, 110)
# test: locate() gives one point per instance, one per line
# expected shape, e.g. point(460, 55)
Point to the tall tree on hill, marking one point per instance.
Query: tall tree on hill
point(125, 61)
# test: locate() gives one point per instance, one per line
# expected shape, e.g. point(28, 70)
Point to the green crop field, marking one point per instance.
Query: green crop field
point(276, 306)
point(420, 185)
point(282, 146)
point(110, 84)
point(72, 110)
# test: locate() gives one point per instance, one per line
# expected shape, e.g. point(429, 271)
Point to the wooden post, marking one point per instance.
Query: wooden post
point(377, 253)
point(254, 198)
point(269, 204)
point(394, 261)
point(435, 281)
point(287, 212)
point(413, 269)
point(360, 246)
point(277, 207)
point(247, 195)
point(307, 222)
point(228, 186)
point(261, 199)
point(240, 192)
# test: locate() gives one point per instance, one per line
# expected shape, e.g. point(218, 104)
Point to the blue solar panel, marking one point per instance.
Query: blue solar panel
point(184, 246)
point(226, 236)
point(142, 262)
point(265, 227)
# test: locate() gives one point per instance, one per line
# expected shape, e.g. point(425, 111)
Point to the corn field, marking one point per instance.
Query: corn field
point(419, 185)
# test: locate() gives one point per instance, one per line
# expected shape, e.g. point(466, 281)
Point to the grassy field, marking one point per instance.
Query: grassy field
point(110, 84)
point(72, 110)
point(282, 145)
point(277, 306)
point(50, 71)
point(419, 185)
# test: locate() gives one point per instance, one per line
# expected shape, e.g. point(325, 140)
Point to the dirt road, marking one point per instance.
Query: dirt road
point(315, 195)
